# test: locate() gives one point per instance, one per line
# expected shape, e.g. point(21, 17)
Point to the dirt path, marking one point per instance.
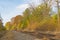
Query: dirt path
point(13, 35)
point(17, 36)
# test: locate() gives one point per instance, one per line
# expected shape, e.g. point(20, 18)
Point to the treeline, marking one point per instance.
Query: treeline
point(34, 18)
point(2, 28)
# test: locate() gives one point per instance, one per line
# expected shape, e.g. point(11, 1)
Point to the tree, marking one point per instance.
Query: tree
point(26, 19)
point(16, 21)
point(1, 24)
point(58, 28)
point(48, 4)
point(8, 26)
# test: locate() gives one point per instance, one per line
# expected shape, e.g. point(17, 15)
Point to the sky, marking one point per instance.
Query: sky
point(12, 8)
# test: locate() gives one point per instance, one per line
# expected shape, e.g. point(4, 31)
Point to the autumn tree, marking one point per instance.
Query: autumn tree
point(8, 26)
point(16, 21)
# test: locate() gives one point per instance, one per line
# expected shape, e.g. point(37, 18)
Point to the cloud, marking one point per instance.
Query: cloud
point(36, 2)
point(21, 8)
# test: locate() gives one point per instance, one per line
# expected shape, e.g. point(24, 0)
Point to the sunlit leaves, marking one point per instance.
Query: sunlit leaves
point(8, 26)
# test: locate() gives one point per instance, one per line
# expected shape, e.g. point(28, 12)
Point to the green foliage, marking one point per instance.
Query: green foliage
point(2, 28)
point(8, 26)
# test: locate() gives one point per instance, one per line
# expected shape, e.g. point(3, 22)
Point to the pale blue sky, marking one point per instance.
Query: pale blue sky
point(11, 8)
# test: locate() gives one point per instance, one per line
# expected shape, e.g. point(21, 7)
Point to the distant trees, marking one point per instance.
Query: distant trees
point(1, 25)
point(2, 28)
point(8, 26)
